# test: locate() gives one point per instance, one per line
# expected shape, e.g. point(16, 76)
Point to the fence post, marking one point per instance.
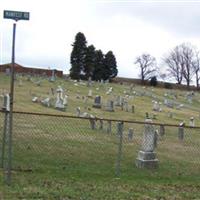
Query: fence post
point(119, 153)
point(109, 127)
point(5, 132)
point(181, 132)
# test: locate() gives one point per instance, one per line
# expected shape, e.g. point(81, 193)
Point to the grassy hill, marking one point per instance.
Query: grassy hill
point(63, 158)
point(141, 97)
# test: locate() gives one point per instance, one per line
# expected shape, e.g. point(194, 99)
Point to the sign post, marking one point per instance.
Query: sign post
point(14, 15)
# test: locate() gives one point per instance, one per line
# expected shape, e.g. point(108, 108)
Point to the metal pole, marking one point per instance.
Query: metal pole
point(119, 155)
point(5, 132)
point(9, 167)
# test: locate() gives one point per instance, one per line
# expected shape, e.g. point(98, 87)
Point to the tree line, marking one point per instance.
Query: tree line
point(88, 62)
point(182, 63)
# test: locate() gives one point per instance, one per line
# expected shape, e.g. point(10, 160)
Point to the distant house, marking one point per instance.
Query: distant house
point(28, 70)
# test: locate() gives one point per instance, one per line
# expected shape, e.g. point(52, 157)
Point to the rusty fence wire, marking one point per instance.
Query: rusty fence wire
point(96, 147)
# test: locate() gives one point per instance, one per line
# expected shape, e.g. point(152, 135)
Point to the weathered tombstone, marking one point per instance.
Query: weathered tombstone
point(162, 130)
point(78, 95)
point(97, 102)
point(118, 101)
point(125, 106)
point(192, 121)
point(110, 106)
point(100, 124)
point(146, 156)
point(90, 93)
point(59, 101)
point(109, 127)
point(65, 100)
point(46, 102)
point(181, 131)
point(109, 91)
point(92, 123)
point(156, 106)
point(35, 99)
point(78, 111)
point(20, 82)
point(130, 134)
point(7, 72)
point(52, 91)
point(133, 109)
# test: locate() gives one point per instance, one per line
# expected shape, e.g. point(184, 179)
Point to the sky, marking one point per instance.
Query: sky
point(128, 28)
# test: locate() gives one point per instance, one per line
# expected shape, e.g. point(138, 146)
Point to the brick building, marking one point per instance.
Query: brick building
point(32, 71)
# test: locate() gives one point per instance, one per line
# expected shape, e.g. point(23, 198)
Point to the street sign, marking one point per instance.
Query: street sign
point(16, 15)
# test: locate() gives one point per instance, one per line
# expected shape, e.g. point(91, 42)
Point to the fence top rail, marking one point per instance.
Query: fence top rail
point(97, 118)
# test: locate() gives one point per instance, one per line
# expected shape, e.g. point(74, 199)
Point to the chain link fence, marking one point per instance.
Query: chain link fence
point(95, 147)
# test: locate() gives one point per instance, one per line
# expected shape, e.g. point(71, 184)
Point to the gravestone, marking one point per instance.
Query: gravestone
point(101, 124)
point(78, 111)
point(156, 106)
point(109, 91)
point(8, 72)
point(59, 100)
point(35, 99)
point(110, 106)
point(97, 102)
point(146, 156)
point(133, 109)
point(52, 91)
point(130, 134)
point(90, 93)
point(192, 124)
point(125, 106)
point(118, 101)
point(162, 130)
point(46, 102)
point(92, 122)
point(109, 127)
point(89, 83)
point(65, 100)
point(20, 82)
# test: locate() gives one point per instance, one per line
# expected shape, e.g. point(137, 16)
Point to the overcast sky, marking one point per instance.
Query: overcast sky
point(128, 28)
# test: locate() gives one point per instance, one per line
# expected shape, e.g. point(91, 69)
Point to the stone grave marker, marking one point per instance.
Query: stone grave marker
point(90, 93)
point(59, 101)
point(192, 124)
point(110, 106)
point(97, 102)
point(46, 102)
point(130, 134)
point(146, 156)
point(78, 111)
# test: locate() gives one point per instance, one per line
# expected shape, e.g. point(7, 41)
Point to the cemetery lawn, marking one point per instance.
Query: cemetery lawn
point(59, 158)
point(64, 185)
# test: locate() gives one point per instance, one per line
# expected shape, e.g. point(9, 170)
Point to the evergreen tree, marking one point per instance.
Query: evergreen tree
point(98, 73)
point(110, 66)
point(78, 54)
point(89, 61)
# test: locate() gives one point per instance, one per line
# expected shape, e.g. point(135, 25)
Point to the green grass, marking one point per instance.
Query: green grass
point(62, 158)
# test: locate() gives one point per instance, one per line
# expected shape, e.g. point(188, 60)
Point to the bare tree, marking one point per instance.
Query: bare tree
point(147, 65)
point(196, 66)
point(187, 56)
point(179, 62)
point(175, 64)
